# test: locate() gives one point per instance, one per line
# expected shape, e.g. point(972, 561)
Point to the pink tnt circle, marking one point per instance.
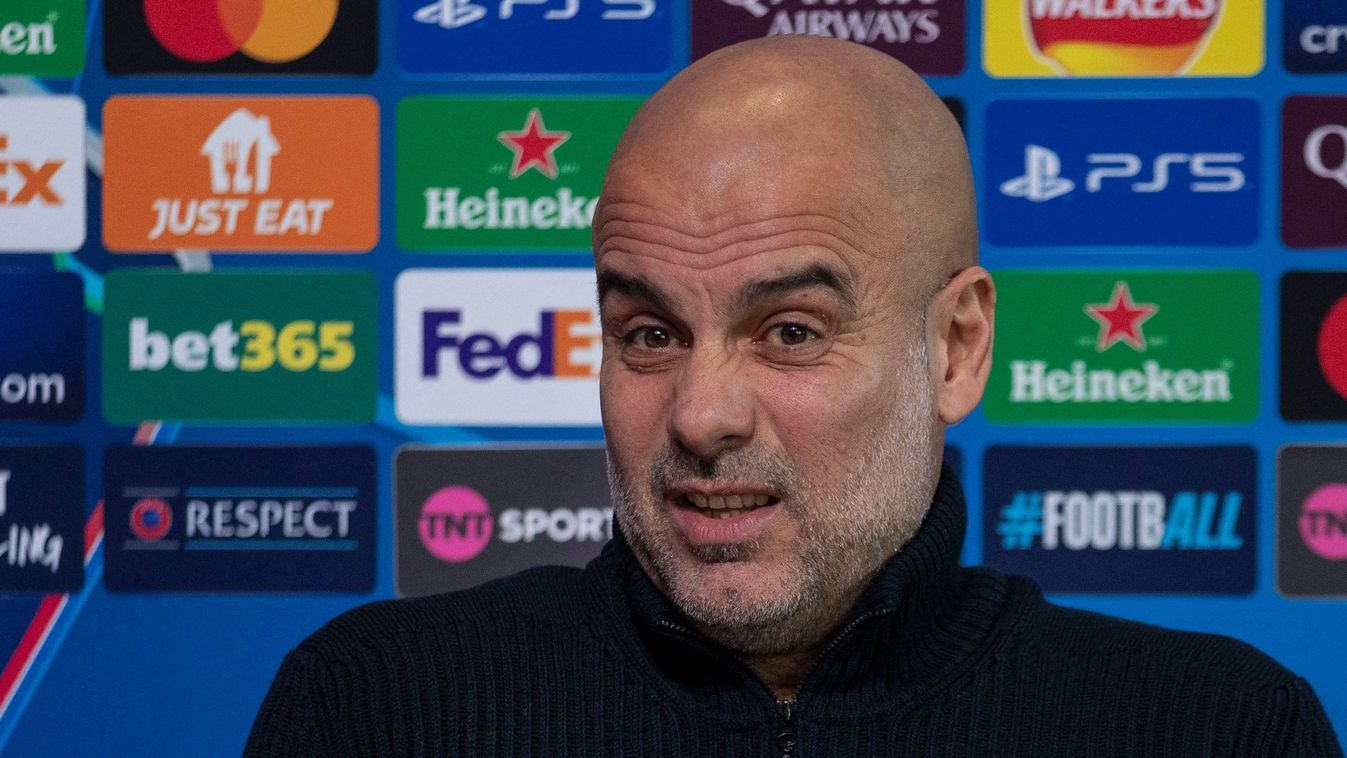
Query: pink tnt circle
point(1323, 522)
point(455, 524)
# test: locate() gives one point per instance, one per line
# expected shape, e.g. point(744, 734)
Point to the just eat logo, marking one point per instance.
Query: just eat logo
point(41, 174)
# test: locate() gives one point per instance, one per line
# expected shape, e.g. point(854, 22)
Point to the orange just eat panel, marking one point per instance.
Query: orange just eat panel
point(241, 174)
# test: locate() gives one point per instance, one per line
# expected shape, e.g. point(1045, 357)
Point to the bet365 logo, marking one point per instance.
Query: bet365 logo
point(239, 346)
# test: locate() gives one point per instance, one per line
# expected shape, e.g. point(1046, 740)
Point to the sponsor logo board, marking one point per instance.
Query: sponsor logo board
point(466, 516)
point(239, 519)
point(927, 35)
point(1132, 38)
point(42, 173)
point(1314, 171)
point(1314, 345)
point(41, 347)
point(497, 347)
point(42, 38)
point(1110, 346)
point(239, 346)
point(1122, 172)
point(1312, 521)
point(506, 173)
point(532, 37)
point(1123, 519)
point(241, 36)
point(281, 174)
point(1314, 36)
point(41, 519)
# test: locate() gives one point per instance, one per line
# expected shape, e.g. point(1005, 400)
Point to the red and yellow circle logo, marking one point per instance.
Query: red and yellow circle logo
point(270, 31)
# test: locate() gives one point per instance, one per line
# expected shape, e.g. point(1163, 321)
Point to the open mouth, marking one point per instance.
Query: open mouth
point(724, 506)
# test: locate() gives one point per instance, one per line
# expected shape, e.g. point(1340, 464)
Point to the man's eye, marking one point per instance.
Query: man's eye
point(649, 337)
point(792, 334)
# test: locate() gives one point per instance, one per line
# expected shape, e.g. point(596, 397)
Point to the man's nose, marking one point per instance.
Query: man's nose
point(713, 409)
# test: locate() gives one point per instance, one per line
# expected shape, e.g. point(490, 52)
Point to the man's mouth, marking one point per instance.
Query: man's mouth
point(725, 506)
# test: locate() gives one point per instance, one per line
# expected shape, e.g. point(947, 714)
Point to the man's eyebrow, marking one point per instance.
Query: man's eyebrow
point(634, 287)
point(817, 275)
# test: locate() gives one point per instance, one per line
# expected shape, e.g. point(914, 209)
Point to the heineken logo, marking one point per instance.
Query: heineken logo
point(503, 173)
point(1158, 347)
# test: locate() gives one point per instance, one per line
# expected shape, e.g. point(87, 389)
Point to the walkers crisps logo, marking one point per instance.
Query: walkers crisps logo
point(1038, 38)
point(503, 173)
point(241, 174)
point(1125, 346)
point(42, 37)
point(235, 346)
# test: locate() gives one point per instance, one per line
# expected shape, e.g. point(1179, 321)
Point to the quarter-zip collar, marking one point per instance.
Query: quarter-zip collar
point(919, 621)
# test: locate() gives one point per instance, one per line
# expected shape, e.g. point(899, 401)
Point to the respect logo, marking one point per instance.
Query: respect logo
point(465, 516)
point(42, 37)
point(1312, 521)
point(41, 173)
point(1125, 345)
point(260, 174)
point(239, 346)
point(496, 173)
point(1123, 37)
point(1123, 519)
point(481, 347)
point(241, 36)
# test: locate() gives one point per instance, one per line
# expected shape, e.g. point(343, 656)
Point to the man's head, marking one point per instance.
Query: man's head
point(792, 314)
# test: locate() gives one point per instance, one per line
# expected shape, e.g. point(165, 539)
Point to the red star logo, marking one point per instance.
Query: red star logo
point(1121, 319)
point(534, 146)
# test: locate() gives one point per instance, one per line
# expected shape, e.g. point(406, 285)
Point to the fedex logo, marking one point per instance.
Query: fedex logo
point(497, 347)
point(42, 175)
point(554, 349)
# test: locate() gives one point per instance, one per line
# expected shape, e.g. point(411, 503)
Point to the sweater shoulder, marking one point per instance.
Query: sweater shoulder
point(549, 595)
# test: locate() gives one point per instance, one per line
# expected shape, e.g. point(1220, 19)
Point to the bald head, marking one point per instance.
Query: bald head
point(798, 125)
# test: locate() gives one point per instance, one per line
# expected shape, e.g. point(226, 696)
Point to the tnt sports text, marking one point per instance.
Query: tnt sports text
point(295, 346)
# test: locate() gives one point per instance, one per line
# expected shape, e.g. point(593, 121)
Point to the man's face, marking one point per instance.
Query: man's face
point(767, 403)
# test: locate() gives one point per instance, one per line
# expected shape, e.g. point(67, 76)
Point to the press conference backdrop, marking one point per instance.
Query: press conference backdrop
point(296, 312)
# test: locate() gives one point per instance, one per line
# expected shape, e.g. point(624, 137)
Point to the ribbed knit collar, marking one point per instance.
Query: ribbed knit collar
point(918, 622)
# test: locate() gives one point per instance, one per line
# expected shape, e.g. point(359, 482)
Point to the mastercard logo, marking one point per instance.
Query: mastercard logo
point(269, 31)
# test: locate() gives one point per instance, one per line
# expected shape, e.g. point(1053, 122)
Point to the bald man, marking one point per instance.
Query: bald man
point(792, 312)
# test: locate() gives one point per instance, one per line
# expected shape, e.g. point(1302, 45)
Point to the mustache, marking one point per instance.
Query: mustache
point(741, 466)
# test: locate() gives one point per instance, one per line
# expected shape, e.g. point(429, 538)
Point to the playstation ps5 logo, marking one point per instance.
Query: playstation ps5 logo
point(1042, 180)
point(454, 14)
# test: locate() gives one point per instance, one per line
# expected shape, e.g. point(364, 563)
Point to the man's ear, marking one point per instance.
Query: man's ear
point(960, 322)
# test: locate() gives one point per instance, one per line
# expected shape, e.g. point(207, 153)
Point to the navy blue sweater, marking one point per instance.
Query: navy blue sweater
point(935, 660)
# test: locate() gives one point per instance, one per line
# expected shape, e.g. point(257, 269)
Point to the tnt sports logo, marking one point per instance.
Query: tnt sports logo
point(456, 524)
point(525, 36)
point(241, 36)
point(266, 174)
point(1314, 36)
point(1323, 522)
point(1084, 172)
point(1314, 171)
point(1123, 37)
point(508, 347)
point(41, 174)
point(1314, 345)
point(1312, 521)
point(1123, 519)
point(151, 519)
point(927, 35)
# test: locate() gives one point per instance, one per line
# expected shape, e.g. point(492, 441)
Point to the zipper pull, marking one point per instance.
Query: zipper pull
point(785, 727)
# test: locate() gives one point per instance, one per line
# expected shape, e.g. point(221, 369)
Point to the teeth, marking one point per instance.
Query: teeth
point(733, 501)
point(727, 502)
point(698, 500)
point(717, 502)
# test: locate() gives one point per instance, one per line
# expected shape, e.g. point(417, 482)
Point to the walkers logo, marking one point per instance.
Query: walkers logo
point(41, 519)
point(503, 173)
point(1038, 38)
point(1123, 519)
point(535, 36)
point(927, 35)
point(1314, 36)
point(466, 516)
point(236, 346)
point(41, 347)
point(1314, 346)
point(41, 173)
point(42, 38)
point(241, 174)
point(1314, 171)
point(1312, 521)
point(1125, 346)
point(241, 36)
point(239, 519)
point(1122, 172)
point(502, 347)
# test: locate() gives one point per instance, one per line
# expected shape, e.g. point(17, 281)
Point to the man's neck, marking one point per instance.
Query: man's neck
point(783, 673)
